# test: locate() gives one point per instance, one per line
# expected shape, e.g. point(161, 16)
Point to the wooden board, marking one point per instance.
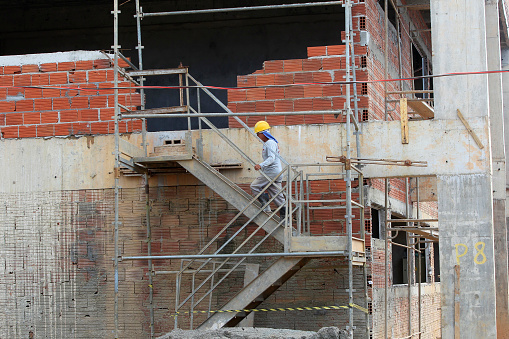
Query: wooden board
point(422, 108)
point(403, 113)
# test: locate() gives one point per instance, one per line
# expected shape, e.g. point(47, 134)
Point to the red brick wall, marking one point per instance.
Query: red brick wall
point(62, 99)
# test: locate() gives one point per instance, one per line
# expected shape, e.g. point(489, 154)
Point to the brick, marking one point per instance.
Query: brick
point(312, 65)
point(77, 77)
point(232, 107)
point(255, 94)
point(70, 92)
point(43, 104)
point(69, 116)
point(14, 119)
point(49, 117)
point(1, 70)
point(88, 90)
point(338, 103)
point(3, 93)
point(12, 69)
point(236, 95)
point(339, 75)
point(100, 128)
point(283, 79)
point(98, 101)
point(275, 93)
point(89, 115)
point(31, 118)
point(48, 67)
point(84, 64)
point(32, 93)
point(97, 76)
point(283, 106)
point(16, 92)
point(333, 63)
point(264, 106)
point(265, 80)
point(292, 65)
point(313, 119)
point(50, 93)
point(127, 87)
point(303, 105)
point(317, 51)
point(58, 78)
point(45, 130)
point(61, 103)
point(102, 63)
point(322, 77)
point(274, 120)
point(294, 92)
point(336, 50)
point(79, 102)
point(313, 91)
point(294, 120)
point(63, 129)
point(24, 105)
point(332, 90)
point(124, 64)
point(107, 113)
point(246, 80)
point(9, 132)
point(29, 68)
point(303, 77)
point(84, 128)
point(245, 107)
point(273, 66)
point(66, 66)
point(322, 104)
point(7, 106)
point(137, 125)
point(27, 131)
point(6, 80)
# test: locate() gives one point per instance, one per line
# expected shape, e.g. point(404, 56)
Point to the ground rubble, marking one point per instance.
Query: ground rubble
point(257, 333)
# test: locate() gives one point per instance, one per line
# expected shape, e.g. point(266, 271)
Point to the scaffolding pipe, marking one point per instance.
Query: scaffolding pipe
point(237, 255)
point(348, 13)
point(218, 114)
point(386, 297)
point(116, 48)
point(410, 255)
point(241, 9)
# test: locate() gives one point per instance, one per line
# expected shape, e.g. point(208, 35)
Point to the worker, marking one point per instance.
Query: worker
point(271, 166)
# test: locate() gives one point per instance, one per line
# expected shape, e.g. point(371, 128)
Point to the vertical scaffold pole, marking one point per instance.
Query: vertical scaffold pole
point(348, 42)
point(116, 48)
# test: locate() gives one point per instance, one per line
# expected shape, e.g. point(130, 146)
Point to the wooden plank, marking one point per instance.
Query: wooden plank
point(456, 301)
point(163, 110)
point(403, 112)
point(422, 108)
point(129, 149)
point(158, 72)
point(470, 130)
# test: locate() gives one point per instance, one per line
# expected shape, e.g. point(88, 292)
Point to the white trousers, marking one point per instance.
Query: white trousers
point(259, 183)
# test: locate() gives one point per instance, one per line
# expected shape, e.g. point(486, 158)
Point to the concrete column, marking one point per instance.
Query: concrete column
point(465, 201)
point(499, 170)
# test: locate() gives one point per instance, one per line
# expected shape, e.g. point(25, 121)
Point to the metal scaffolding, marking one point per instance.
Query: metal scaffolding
point(295, 177)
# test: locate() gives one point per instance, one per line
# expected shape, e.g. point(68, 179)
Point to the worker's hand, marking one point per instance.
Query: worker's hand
point(257, 167)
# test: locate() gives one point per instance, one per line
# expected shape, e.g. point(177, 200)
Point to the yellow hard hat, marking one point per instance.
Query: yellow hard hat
point(261, 126)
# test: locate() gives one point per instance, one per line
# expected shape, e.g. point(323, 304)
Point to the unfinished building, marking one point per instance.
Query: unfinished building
point(126, 207)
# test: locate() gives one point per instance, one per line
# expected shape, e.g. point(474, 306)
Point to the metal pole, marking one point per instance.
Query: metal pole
point(239, 9)
point(116, 48)
point(419, 286)
point(386, 294)
point(409, 260)
point(149, 252)
point(386, 54)
point(187, 103)
point(237, 255)
point(221, 114)
point(348, 13)
point(139, 47)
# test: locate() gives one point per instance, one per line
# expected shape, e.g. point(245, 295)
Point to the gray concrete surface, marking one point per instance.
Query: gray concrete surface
point(257, 333)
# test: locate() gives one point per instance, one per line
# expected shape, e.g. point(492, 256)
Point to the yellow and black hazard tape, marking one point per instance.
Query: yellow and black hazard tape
point(279, 309)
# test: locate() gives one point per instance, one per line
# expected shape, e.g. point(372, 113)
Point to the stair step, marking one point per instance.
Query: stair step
point(162, 110)
point(166, 71)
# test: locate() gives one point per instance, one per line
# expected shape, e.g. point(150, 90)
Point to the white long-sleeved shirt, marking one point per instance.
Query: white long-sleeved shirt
point(271, 165)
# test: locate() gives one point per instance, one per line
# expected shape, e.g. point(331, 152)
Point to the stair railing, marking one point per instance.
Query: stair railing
point(178, 304)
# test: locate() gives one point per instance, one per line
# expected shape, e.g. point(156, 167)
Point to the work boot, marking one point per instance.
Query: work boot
point(263, 199)
point(282, 212)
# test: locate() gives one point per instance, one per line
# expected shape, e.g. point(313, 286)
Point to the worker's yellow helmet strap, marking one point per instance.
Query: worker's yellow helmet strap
point(261, 126)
